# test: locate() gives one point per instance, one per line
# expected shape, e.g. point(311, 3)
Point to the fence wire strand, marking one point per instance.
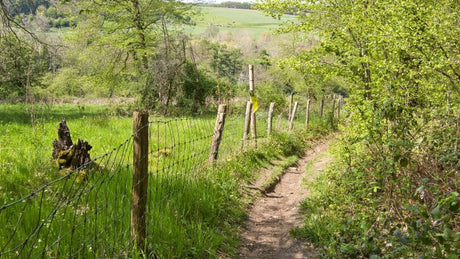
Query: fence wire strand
point(71, 215)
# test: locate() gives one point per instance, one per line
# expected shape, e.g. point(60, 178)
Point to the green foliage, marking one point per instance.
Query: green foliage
point(22, 65)
point(225, 62)
point(17, 7)
point(264, 59)
point(393, 192)
point(127, 43)
point(269, 92)
point(196, 87)
point(58, 18)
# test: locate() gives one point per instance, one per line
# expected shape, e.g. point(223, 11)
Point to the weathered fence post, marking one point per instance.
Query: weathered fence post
point(218, 130)
point(339, 107)
point(321, 105)
point(307, 113)
point(270, 117)
point(253, 113)
point(253, 128)
point(291, 97)
point(251, 79)
point(140, 177)
point(294, 111)
point(333, 113)
point(247, 123)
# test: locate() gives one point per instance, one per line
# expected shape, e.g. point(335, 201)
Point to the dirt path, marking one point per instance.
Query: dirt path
point(266, 234)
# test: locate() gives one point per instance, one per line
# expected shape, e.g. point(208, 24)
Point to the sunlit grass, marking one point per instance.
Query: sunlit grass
point(193, 206)
point(254, 22)
point(27, 134)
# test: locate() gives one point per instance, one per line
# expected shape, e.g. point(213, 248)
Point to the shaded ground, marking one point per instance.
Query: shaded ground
point(266, 234)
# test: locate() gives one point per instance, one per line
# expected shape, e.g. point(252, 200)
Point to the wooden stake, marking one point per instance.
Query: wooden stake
point(253, 129)
point(140, 177)
point(339, 107)
point(291, 97)
point(253, 114)
point(247, 123)
point(218, 130)
point(307, 113)
point(270, 117)
point(321, 105)
point(333, 113)
point(251, 79)
point(293, 116)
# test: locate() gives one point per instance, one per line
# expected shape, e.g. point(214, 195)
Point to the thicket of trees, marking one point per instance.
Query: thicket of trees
point(394, 192)
point(134, 49)
point(231, 4)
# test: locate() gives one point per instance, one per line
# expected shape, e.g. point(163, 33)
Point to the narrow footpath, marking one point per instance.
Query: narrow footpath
point(271, 217)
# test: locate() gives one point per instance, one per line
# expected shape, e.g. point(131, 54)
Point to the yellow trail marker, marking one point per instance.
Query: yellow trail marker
point(255, 103)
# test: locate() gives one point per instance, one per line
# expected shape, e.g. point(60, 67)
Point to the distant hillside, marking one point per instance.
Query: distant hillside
point(235, 20)
point(231, 4)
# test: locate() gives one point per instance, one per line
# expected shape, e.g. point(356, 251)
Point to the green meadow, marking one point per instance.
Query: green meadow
point(193, 208)
point(254, 22)
point(27, 134)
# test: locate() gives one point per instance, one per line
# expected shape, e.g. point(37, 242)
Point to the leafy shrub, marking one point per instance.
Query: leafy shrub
point(393, 197)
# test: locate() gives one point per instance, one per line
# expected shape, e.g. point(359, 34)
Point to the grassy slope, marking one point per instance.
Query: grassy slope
point(235, 20)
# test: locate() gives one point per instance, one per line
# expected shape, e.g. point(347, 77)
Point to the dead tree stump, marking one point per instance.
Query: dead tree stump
point(67, 154)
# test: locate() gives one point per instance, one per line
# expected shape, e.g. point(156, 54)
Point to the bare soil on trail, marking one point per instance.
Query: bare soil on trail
point(271, 217)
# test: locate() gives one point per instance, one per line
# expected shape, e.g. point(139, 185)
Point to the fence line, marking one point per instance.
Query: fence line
point(61, 217)
point(86, 211)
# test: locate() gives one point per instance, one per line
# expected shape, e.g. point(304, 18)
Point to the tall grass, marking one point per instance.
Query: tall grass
point(27, 133)
point(193, 208)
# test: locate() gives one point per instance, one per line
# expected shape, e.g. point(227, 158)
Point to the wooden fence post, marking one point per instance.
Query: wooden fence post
point(253, 114)
point(253, 128)
point(339, 107)
point(294, 111)
point(333, 113)
point(140, 177)
point(270, 117)
point(247, 122)
point(321, 105)
point(251, 79)
point(218, 130)
point(291, 97)
point(307, 113)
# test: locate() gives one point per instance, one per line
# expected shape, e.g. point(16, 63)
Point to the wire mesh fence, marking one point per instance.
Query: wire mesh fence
point(84, 212)
point(87, 211)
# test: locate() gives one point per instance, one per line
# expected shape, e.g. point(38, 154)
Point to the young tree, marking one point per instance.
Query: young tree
point(134, 29)
point(22, 64)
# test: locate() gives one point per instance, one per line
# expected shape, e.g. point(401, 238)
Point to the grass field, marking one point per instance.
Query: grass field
point(254, 22)
point(25, 150)
point(193, 208)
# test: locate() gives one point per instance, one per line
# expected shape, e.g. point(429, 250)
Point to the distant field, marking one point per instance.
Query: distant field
point(235, 20)
point(254, 22)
